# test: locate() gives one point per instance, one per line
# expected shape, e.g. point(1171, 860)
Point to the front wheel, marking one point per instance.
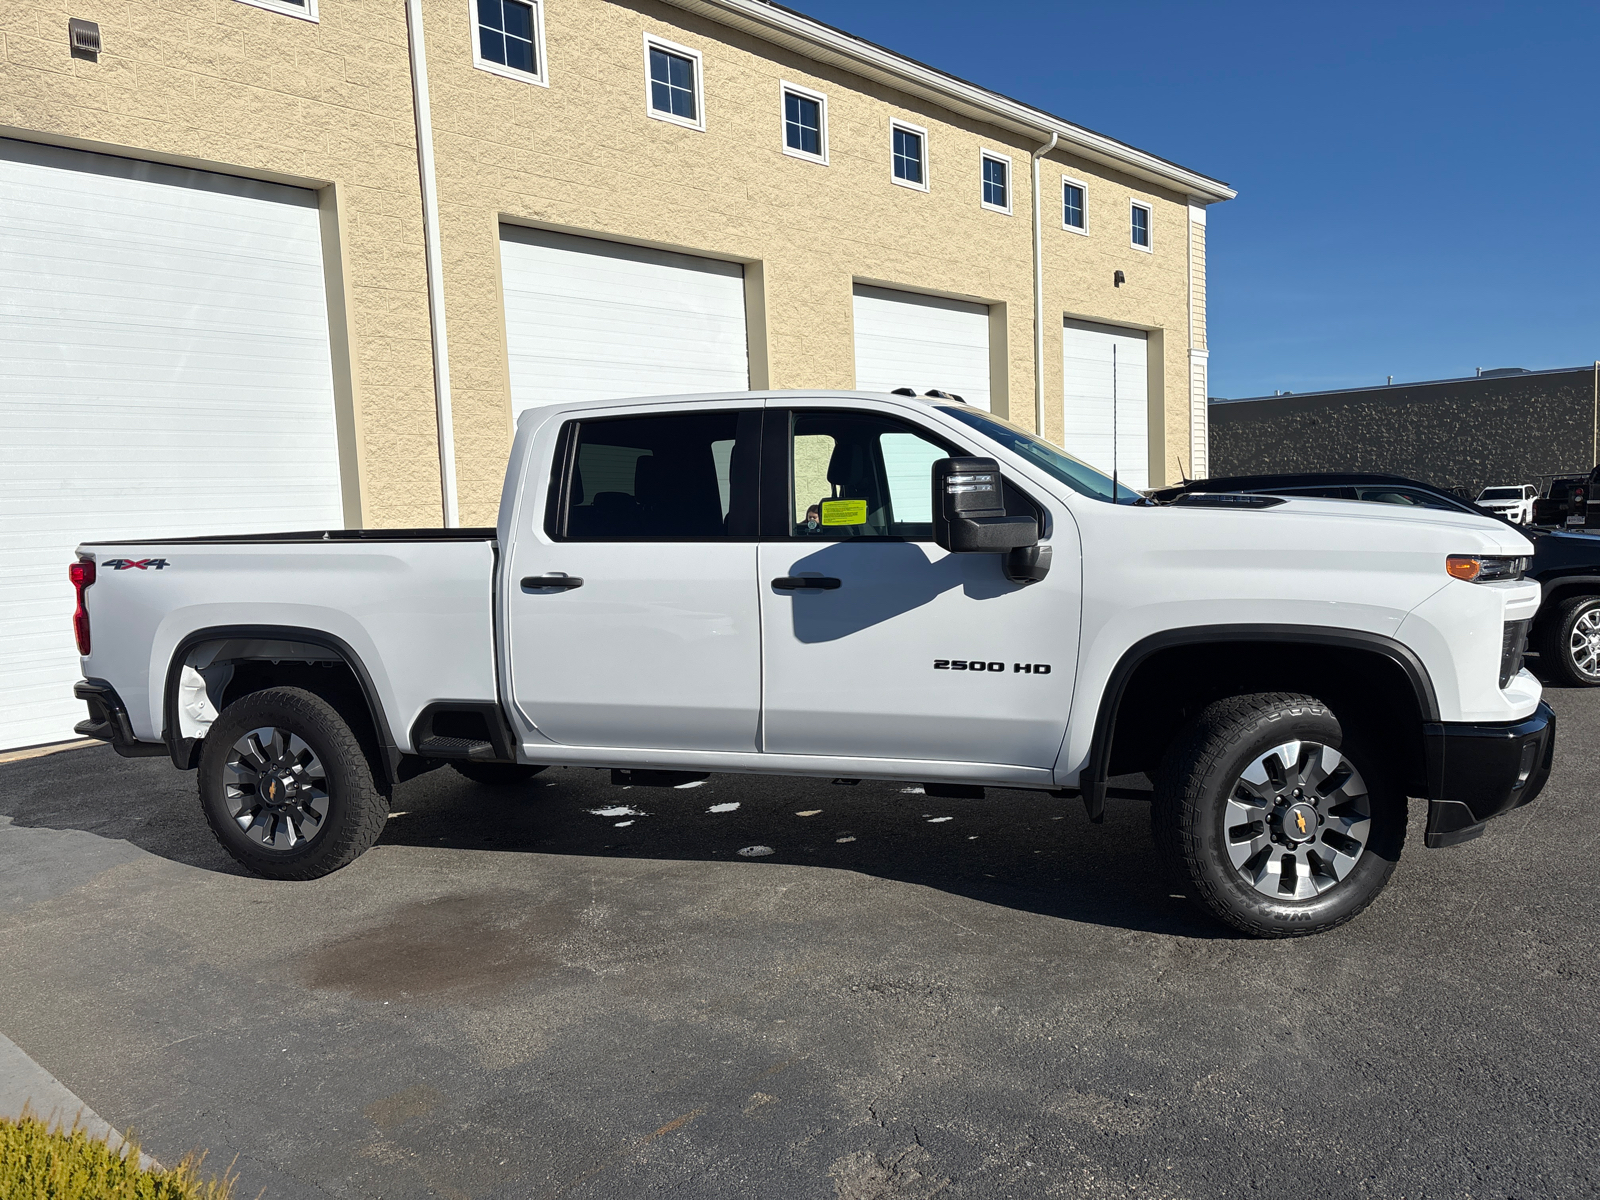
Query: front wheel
point(286, 787)
point(1569, 642)
point(1283, 825)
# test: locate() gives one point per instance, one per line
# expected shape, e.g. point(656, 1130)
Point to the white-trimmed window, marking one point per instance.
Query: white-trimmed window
point(995, 181)
point(508, 39)
point(805, 123)
point(1074, 205)
point(306, 10)
point(908, 155)
point(672, 83)
point(1139, 215)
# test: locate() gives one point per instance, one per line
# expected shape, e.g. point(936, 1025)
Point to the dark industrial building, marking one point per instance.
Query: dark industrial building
point(1501, 427)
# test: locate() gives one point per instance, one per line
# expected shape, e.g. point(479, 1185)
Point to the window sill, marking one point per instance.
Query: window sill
point(505, 72)
point(906, 183)
point(1080, 230)
point(656, 114)
point(820, 159)
point(994, 208)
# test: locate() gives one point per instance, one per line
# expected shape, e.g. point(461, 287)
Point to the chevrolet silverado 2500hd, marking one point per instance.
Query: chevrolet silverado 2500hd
point(847, 584)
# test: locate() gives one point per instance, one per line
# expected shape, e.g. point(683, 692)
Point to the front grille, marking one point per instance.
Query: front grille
point(1513, 645)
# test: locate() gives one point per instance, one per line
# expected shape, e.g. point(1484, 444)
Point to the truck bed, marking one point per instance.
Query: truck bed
point(413, 607)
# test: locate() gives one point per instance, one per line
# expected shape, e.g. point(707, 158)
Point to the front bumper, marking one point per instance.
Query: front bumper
point(108, 720)
point(1478, 772)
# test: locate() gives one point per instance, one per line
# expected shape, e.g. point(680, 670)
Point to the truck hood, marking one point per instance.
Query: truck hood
point(1484, 535)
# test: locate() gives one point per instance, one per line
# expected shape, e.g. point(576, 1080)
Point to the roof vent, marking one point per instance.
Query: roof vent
point(84, 37)
point(1498, 372)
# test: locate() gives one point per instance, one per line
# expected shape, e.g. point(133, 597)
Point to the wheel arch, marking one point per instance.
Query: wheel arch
point(1562, 588)
point(185, 750)
point(1217, 660)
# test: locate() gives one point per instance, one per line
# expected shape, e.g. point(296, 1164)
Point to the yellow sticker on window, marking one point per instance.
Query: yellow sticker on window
point(844, 512)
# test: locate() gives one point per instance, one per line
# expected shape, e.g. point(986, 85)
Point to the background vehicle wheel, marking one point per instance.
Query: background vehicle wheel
point(1283, 825)
point(497, 774)
point(1569, 642)
point(286, 786)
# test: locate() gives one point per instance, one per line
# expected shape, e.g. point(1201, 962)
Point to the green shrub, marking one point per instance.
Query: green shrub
point(38, 1163)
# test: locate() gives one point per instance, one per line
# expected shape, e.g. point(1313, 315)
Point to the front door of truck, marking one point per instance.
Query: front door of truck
point(898, 649)
point(632, 615)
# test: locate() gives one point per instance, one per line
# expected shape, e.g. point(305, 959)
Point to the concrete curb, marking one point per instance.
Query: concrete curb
point(25, 1084)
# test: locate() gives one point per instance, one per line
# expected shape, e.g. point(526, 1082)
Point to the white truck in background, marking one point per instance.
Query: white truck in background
point(847, 584)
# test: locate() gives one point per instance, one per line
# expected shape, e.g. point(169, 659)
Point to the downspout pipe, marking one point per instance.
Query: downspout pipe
point(435, 264)
point(1038, 289)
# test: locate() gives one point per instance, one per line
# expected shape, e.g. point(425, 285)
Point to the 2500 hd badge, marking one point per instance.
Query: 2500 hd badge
point(977, 664)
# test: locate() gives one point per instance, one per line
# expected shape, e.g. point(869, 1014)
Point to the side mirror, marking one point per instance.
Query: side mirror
point(969, 509)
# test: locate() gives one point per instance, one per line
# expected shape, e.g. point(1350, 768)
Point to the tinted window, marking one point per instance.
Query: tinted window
point(855, 474)
point(1406, 496)
point(505, 34)
point(907, 155)
point(860, 475)
point(1141, 226)
point(665, 478)
point(1072, 205)
point(994, 182)
point(672, 84)
point(802, 123)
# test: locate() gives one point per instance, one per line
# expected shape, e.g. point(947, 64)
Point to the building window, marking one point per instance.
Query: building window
point(996, 181)
point(1072, 210)
point(306, 10)
point(1140, 225)
point(509, 38)
point(805, 123)
point(672, 82)
point(909, 148)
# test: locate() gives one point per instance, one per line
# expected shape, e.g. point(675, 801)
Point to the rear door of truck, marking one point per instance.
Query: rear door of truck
point(631, 614)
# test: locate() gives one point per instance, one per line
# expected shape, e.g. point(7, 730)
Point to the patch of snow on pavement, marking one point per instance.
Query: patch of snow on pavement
point(616, 810)
point(728, 806)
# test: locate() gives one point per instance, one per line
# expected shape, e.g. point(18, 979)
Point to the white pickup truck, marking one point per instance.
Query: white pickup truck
point(847, 584)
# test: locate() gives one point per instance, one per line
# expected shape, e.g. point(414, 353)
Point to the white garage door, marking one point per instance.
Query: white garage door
point(164, 370)
point(1104, 437)
point(593, 320)
point(921, 342)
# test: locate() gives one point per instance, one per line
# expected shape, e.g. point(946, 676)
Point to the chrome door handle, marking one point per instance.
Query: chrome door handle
point(551, 581)
point(802, 583)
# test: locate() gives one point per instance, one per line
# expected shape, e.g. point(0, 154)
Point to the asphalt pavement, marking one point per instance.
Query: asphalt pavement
point(576, 990)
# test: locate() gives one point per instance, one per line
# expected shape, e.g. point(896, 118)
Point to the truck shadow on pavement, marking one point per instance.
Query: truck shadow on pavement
point(1019, 850)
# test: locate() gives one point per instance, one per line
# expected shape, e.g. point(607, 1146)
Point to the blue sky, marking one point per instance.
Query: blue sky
point(1419, 184)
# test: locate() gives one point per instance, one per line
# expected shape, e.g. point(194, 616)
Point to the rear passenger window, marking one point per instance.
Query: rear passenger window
point(683, 477)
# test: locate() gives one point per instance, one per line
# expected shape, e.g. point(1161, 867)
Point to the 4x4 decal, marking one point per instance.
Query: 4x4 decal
point(142, 564)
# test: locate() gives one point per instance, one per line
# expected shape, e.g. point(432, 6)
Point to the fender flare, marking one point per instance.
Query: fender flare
point(1554, 587)
point(182, 749)
point(1092, 780)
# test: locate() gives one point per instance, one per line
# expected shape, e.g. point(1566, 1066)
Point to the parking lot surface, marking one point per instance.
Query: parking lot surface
point(577, 990)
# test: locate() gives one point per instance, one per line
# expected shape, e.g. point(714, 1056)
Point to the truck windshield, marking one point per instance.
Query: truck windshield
point(1059, 465)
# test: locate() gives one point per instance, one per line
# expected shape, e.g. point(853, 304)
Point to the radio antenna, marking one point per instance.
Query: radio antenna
point(1115, 490)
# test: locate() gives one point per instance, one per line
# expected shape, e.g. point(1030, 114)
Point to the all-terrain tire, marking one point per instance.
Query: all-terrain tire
point(1202, 770)
point(497, 774)
point(356, 808)
point(1554, 636)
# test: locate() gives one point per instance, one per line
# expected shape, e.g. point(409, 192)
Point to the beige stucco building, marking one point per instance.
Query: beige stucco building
point(290, 263)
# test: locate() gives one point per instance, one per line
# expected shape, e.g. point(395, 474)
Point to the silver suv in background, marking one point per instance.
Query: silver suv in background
point(1514, 502)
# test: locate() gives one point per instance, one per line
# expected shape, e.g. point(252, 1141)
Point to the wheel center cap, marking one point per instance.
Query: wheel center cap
point(277, 791)
point(1299, 822)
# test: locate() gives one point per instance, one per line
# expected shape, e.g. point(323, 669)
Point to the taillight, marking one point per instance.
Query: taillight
point(82, 575)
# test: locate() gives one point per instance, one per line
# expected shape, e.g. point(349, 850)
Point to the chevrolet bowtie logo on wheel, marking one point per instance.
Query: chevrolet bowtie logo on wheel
point(1300, 820)
point(142, 564)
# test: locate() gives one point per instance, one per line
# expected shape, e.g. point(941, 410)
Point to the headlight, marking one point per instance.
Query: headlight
point(1478, 568)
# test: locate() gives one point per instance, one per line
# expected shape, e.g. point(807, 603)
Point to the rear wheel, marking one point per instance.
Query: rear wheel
point(497, 774)
point(1282, 825)
point(1569, 642)
point(286, 786)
